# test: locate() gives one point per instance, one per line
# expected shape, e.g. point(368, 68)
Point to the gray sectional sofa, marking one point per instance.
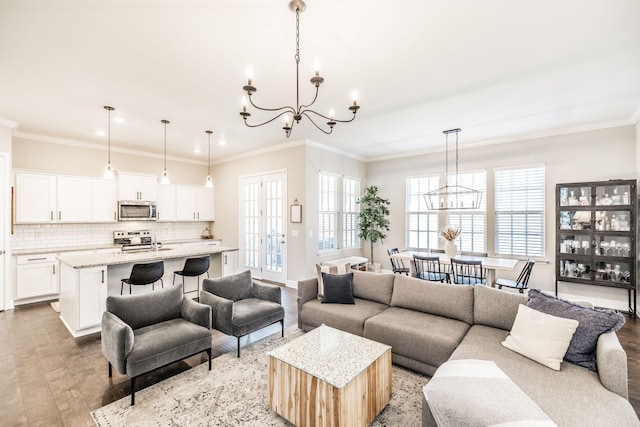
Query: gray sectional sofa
point(429, 323)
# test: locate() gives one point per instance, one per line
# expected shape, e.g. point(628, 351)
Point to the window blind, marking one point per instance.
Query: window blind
point(421, 224)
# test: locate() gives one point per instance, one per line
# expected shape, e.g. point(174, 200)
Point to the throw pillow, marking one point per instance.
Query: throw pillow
point(332, 269)
point(540, 337)
point(592, 323)
point(338, 288)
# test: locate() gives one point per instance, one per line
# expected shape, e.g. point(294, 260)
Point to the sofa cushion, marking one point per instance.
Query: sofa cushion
point(373, 286)
point(425, 337)
point(443, 299)
point(234, 287)
point(330, 269)
point(541, 337)
point(251, 314)
point(571, 397)
point(338, 288)
point(496, 307)
point(483, 394)
point(592, 323)
point(165, 342)
point(148, 308)
point(346, 317)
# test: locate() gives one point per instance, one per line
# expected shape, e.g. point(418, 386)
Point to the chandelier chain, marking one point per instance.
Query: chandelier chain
point(297, 37)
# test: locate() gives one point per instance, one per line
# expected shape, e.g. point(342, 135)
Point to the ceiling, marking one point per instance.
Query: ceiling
point(499, 69)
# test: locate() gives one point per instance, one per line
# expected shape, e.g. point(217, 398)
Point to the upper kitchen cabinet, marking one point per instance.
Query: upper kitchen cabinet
point(46, 198)
point(36, 198)
point(105, 201)
point(137, 187)
point(74, 199)
point(166, 202)
point(194, 203)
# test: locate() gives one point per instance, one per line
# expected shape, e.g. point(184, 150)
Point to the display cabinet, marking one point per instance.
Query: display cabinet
point(596, 235)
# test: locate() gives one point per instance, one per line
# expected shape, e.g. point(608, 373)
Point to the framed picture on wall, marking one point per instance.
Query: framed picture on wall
point(295, 213)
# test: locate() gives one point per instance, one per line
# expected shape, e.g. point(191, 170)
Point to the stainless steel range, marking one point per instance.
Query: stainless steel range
point(134, 240)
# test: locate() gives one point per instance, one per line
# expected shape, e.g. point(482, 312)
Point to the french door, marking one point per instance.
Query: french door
point(263, 225)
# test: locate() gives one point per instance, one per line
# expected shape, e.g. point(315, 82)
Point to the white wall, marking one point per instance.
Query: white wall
point(227, 180)
point(317, 160)
point(585, 156)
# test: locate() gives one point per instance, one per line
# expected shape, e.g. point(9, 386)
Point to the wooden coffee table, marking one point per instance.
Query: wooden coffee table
point(328, 377)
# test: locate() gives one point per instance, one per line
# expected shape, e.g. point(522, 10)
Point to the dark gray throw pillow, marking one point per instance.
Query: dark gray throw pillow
point(338, 288)
point(592, 323)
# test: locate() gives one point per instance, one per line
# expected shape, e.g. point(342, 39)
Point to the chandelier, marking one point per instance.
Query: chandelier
point(452, 196)
point(299, 111)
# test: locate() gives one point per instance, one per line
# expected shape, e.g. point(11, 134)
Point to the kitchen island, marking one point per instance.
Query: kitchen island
point(86, 279)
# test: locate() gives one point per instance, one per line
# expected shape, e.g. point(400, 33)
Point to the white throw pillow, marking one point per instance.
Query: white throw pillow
point(331, 269)
point(540, 337)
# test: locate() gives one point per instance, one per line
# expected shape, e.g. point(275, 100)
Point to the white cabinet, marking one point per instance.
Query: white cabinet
point(83, 297)
point(166, 202)
point(36, 276)
point(136, 187)
point(105, 202)
point(194, 203)
point(230, 262)
point(35, 198)
point(74, 200)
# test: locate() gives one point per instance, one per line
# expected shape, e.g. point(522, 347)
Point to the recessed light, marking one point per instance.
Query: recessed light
point(100, 133)
point(119, 119)
point(196, 150)
point(222, 142)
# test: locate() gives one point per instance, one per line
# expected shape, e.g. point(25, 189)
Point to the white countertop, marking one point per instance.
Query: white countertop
point(119, 257)
point(61, 249)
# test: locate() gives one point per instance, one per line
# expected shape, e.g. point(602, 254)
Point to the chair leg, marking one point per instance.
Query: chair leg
point(129, 288)
point(209, 353)
point(162, 283)
point(110, 370)
point(174, 280)
point(282, 326)
point(238, 347)
point(121, 286)
point(133, 391)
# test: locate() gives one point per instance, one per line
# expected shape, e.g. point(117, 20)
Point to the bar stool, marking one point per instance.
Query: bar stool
point(194, 267)
point(144, 274)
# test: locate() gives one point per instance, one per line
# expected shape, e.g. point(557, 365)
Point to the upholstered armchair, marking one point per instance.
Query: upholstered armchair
point(241, 306)
point(144, 332)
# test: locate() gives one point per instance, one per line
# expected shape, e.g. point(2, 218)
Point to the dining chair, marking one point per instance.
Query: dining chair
point(522, 282)
point(397, 265)
point(144, 274)
point(468, 272)
point(429, 268)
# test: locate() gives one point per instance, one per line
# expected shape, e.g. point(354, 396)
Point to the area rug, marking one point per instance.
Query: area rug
point(234, 393)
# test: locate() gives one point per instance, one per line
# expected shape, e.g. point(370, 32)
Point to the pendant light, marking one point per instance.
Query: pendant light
point(164, 179)
point(209, 181)
point(452, 196)
point(109, 170)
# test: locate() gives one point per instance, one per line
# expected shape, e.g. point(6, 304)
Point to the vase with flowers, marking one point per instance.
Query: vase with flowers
point(450, 235)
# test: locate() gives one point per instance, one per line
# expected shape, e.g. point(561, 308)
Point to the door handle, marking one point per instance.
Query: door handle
point(102, 271)
point(59, 215)
point(51, 212)
point(54, 269)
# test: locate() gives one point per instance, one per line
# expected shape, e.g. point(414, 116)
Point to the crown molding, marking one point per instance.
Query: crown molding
point(277, 147)
point(335, 150)
point(521, 137)
point(92, 146)
point(8, 123)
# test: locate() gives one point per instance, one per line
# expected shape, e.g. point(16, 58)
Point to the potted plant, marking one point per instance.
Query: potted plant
point(373, 218)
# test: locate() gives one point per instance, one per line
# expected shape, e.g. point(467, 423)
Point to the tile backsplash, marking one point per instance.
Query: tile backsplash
point(42, 236)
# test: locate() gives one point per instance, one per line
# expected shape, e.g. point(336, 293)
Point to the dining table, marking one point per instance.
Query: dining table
point(491, 264)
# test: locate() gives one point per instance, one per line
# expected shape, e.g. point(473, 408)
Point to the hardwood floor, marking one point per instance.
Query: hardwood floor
point(52, 379)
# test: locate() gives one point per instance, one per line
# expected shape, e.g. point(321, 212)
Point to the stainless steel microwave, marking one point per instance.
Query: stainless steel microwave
point(136, 210)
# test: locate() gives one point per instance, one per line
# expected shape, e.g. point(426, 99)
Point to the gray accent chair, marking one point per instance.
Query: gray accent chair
point(144, 332)
point(241, 306)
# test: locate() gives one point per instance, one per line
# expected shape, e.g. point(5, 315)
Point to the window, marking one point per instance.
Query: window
point(421, 224)
point(338, 212)
point(350, 195)
point(519, 205)
point(472, 222)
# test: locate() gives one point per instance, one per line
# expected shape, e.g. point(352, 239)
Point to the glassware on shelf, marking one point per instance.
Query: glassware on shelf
point(573, 200)
point(604, 248)
point(583, 200)
point(626, 249)
point(625, 198)
point(605, 201)
point(616, 198)
point(585, 247)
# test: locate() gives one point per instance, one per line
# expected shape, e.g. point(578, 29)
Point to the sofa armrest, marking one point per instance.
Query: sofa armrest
point(117, 341)
point(197, 313)
point(307, 291)
point(611, 360)
point(267, 292)
point(221, 311)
